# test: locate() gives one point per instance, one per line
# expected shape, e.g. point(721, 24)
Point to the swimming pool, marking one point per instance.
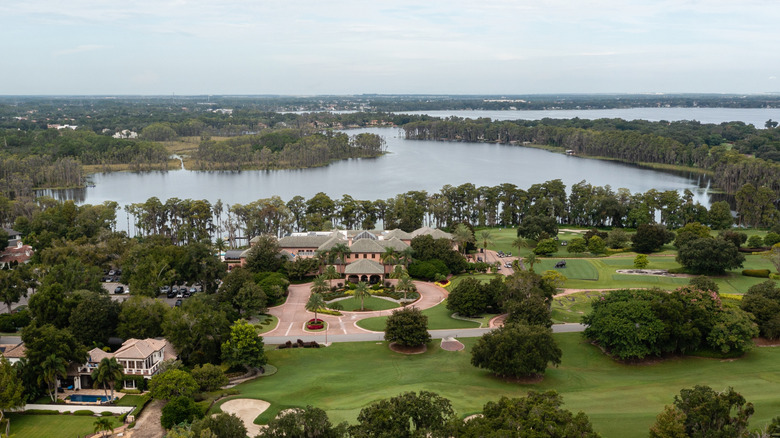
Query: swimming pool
point(87, 398)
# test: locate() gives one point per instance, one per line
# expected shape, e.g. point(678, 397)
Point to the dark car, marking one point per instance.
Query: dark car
point(177, 303)
point(119, 290)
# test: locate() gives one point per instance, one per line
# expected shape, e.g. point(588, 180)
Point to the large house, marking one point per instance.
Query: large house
point(16, 252)
point(138, 357)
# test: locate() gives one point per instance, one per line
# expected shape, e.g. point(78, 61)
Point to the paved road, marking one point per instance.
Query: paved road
point(379, 336)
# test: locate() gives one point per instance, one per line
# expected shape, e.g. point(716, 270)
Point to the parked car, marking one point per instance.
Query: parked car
point(165, 289)
point(119, 290)
point(171, 294)
point(112, 272)
point(193, 290)
point(180, 294)
point(177, 303)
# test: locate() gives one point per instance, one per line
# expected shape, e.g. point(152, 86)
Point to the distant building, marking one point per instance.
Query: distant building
point(138, 357)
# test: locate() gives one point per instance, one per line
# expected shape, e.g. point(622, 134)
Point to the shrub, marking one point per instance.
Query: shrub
point(107, 414)
point(758, 273)
point(178, 410)
point(83, 413)
point(755, 241)
point(42, 412)
point(546, 247)
point(771, 238)
point(641, 261)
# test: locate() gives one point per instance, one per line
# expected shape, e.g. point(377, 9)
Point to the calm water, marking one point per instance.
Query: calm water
point(410, 165)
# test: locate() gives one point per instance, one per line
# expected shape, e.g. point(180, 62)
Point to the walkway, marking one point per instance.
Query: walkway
point(293, 314)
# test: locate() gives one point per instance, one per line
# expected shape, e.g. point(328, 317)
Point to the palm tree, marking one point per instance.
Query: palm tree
point(319, 285)
point(462, 235)
point(389, 257)
point(52, 368)
point(340, 252)
point(103, 425)
point(398, 273)
point(405, 284)
point(107, 373)
point(331, 273)
point(530, 259)
point(220, 245)
point(405, 256)
point(519, 243)
point(485, 240)
point(315, 303)
point(361, 292)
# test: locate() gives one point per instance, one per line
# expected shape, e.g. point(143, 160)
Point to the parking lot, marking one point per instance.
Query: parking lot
point(111, 286)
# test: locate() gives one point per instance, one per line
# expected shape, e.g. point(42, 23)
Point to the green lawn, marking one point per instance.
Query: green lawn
point(485, 278)
point(370, 303)
point(621, 400)
point(37, 426)
point(272, 323)
point(438, 319)
point(575, 268)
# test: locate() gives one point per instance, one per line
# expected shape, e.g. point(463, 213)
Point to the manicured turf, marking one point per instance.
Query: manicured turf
point(371, 303)
point(274, 321)
point(621, 400)
point(575, 268)
point(438, 319)
point(481, 277)
point(37, 426)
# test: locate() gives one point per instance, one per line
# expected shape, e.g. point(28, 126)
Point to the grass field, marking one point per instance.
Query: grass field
point(274, 321)
point(621, 400)
point(38, 426)
point(438, 319)
point(571, 308)
point(370, 303)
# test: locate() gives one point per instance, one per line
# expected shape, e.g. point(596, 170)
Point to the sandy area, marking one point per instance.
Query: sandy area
point(247, 410)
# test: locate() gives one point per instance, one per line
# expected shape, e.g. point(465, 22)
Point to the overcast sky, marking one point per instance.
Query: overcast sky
point(364, 46)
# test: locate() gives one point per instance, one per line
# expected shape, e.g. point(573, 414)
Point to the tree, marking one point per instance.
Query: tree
point(221, 425)
point(467, 298)
point(577, 245)
point(172, 383)
point(180, 410)
point(641, 261)
point(103, 425)
point(209, 377)
point(11, 392)
point(706, 413)
point(405, 416)
point(315, 303)
point(720, 216)
point(704, 283)
point(407, 327)
point(243, 347)
point(516, 350)
point(141, 318)
point(532, 227)
point(106, 375)
point(485, 239)
point(308, 422)
point(264, 255)
point(649, 238)
point(52, 368)
point(617, 239)
point(538, 414)
point(250, 300)
point(405, 284)
point(691, 232)
point(361, 293)
point(319, 285)
point(596, 245)
point(197, 329)
point(774, 256)
point(763, 301)
point(733, 332)
point(709, 256)
point(301, 266)
point(546, 247)
point(462, 235)
point(12, 288)
point(94, 318)
point(530, 259)
point(755, 241)
point(669, 424)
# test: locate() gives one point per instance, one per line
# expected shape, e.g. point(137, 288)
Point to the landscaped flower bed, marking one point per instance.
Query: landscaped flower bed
point(315, 324)
point(443, 284)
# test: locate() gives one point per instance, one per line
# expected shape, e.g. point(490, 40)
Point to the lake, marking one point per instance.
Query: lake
point(420, 165)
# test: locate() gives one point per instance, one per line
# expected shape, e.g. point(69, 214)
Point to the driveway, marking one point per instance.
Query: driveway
point(293, 314)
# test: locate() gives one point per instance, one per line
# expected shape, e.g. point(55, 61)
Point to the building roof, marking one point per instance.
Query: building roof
point(364, 266)
point(235, 254)
point(366, 245)
point(365, 235)
point(399, 234)
point(394, 243)
point(15, 352)
point(139, 348)
point(303, 241)
point(11, 232)
point(433, 232)
point(331, 242)
point(96, 355)
point(18, 253)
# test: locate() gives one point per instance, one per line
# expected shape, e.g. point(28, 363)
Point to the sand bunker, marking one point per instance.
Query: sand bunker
point(247, 409)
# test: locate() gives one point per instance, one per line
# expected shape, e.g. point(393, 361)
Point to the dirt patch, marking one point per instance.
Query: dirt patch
point(408, 350)
point(148, 424)
point(247, 409)
point(451, 344)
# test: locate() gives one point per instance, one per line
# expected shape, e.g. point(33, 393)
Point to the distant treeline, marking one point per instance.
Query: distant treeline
point(286, 148)
point(719, 148)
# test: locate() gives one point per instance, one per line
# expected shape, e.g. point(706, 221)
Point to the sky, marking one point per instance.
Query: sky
point(293, 47)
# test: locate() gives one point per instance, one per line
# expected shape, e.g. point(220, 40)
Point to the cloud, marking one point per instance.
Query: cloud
point(80, 49)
